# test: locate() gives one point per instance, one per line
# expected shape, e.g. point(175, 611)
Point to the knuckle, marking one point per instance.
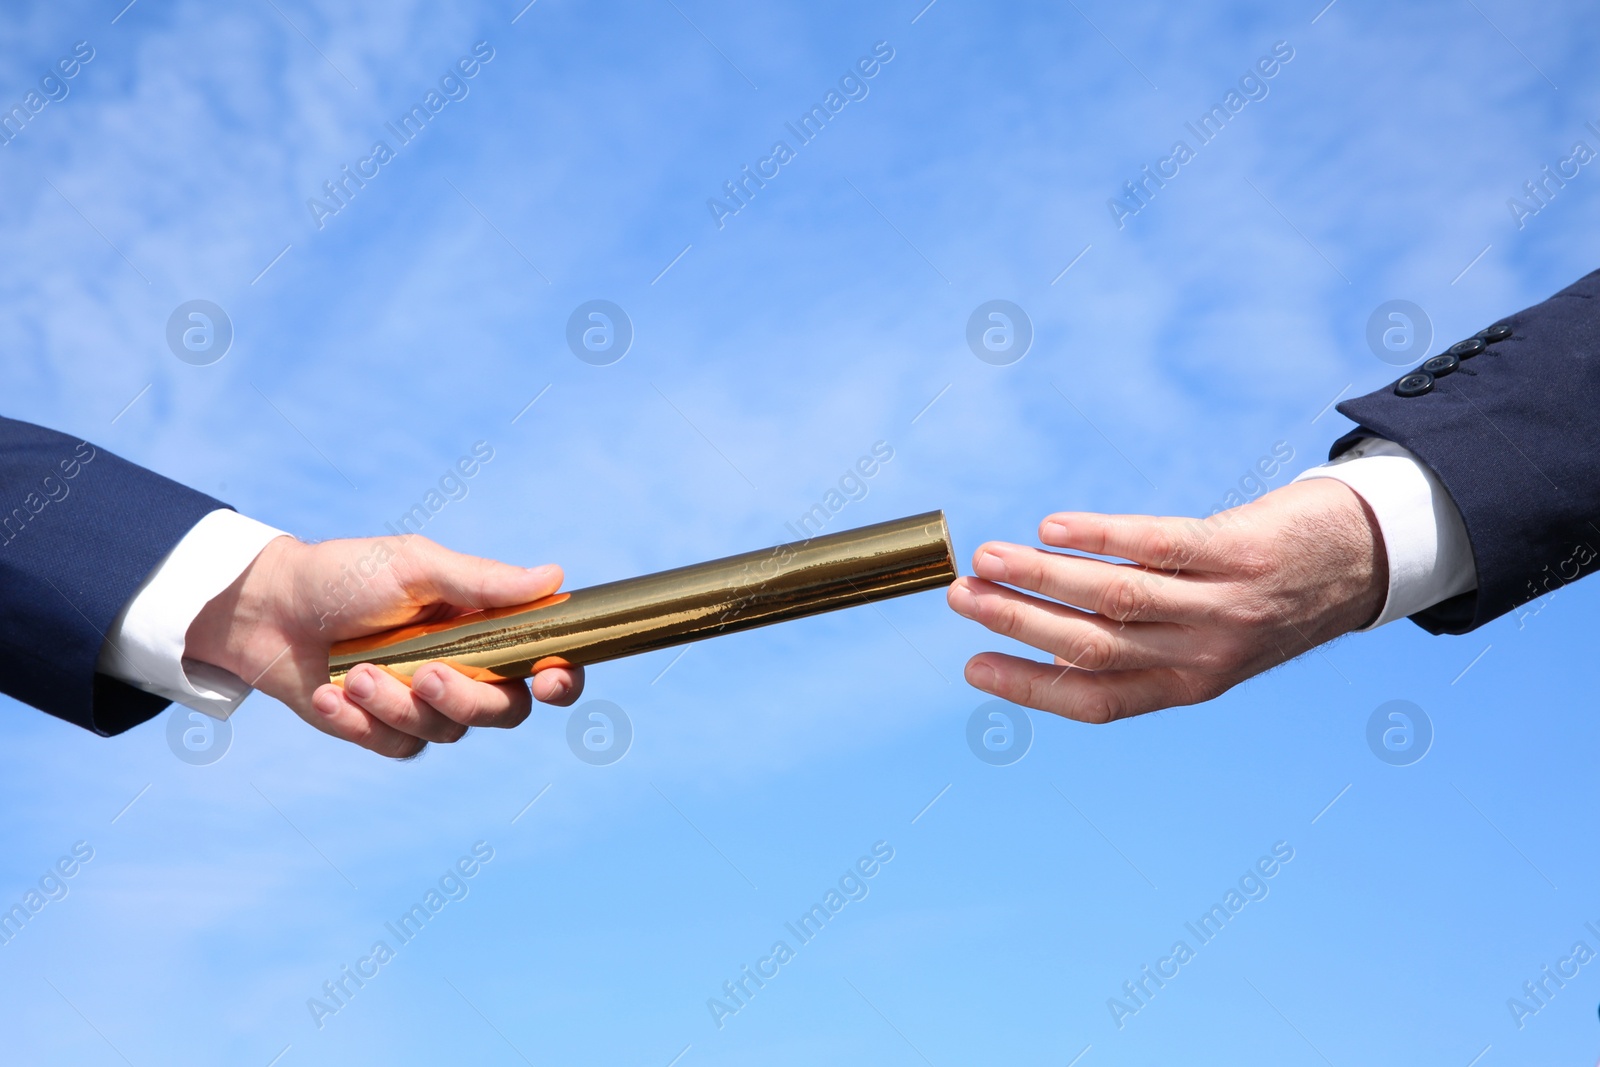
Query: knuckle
point(1099, 536)
point(1125, 598)
point(1038, 690)
point(1185, 543)
point(501, 705)
point(1254, 561)
point(496, 717)
point(1099, 706)
point(1032, 569)
point(473, 713)
point(1198, 690)
point(408, 564)
point(402, 711)
point(1183, 547)
point(511, 718)
point(1095, 651)
point(1003, 615)
point(378, 703)
point(399, 746)
point(1160, 545)
point(1221, 657)
point(1231, 613)
point(1022, 570)
point(1242, 613)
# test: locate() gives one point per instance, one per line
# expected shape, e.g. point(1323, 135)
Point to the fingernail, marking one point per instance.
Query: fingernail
point(991, 566)
point(360, 686)
point(982, 676)
point(429, 686)
point(1053, 531)
point(543, 570)
point(326, 702)
point(962, 600)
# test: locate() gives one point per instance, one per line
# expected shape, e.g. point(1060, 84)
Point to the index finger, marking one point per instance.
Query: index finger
point(1165, 544)
point(1119, 591)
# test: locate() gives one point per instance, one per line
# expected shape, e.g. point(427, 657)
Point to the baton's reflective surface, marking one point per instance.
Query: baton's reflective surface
point(673, 607)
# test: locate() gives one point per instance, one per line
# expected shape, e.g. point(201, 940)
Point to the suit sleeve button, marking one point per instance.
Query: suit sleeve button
point(1498, 332)
point(1440, 365)
point(1414, 384)
point(1466, 349)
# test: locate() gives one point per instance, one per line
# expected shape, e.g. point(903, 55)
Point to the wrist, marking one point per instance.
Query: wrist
point(241, 629)
point(1359, 575)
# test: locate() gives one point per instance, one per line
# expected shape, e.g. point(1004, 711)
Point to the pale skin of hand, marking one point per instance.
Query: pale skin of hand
point(1202, 606)
point(274, 625)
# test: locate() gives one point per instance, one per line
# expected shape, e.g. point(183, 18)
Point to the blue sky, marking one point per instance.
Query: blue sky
point(768, 355)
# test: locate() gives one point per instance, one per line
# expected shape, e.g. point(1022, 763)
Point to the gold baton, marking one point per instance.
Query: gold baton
point(604, 622)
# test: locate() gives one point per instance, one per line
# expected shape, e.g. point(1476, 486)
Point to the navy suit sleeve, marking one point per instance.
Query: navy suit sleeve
point(79, 530)
point(1512, 432)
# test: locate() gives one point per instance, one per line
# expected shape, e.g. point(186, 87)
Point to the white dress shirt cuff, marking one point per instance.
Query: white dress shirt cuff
point(1430, 558)
point(145, 643)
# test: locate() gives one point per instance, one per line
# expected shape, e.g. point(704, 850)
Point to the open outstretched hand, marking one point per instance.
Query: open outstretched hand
point(1202, 606)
